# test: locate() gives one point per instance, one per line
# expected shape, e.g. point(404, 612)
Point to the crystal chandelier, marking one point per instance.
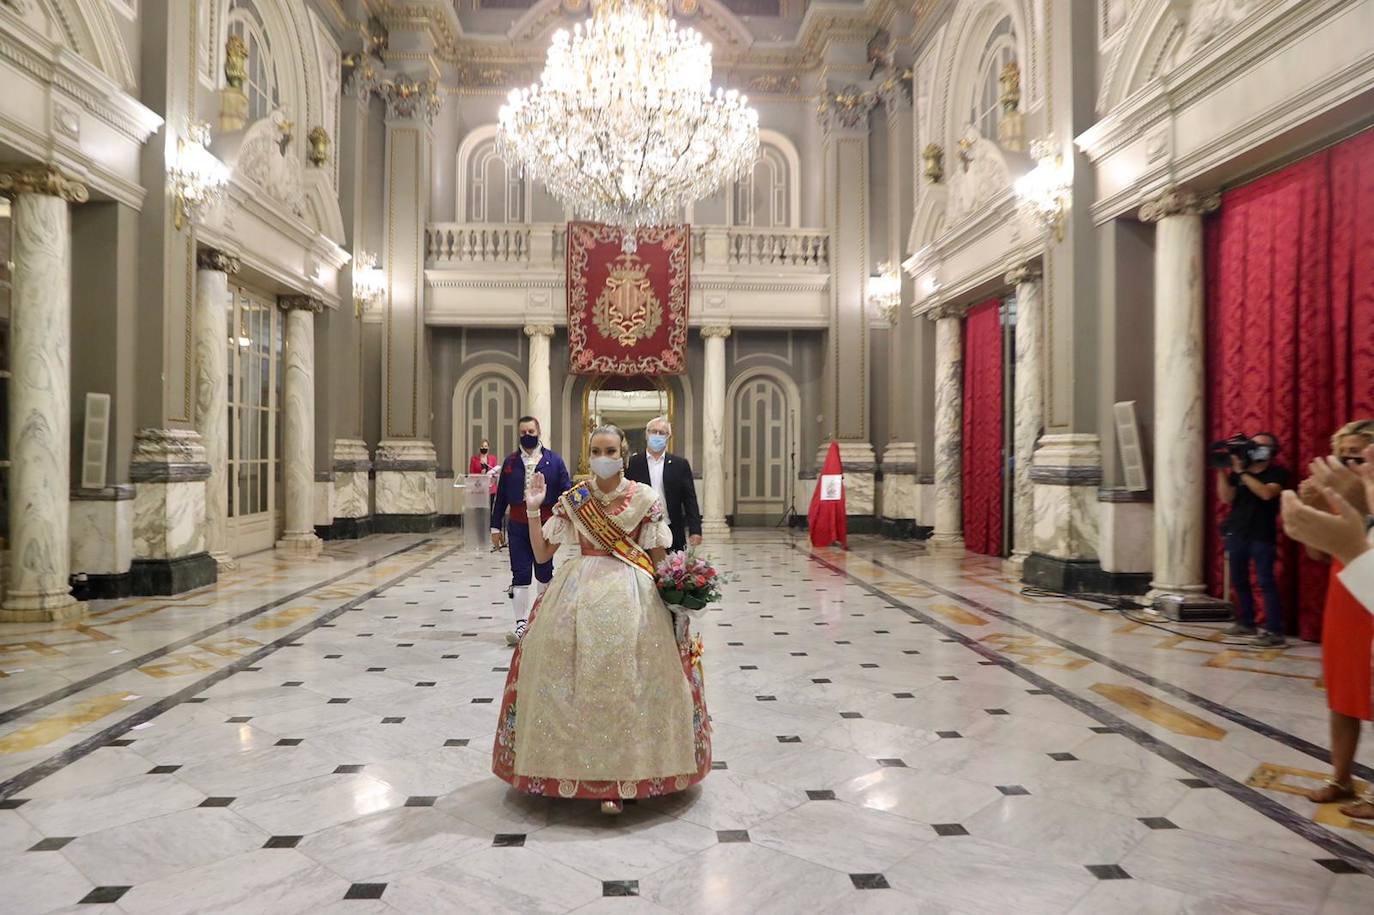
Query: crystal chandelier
point(622, 126)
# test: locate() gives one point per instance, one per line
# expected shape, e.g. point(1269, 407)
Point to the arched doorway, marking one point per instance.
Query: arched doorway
point(763, 456)
point(486, 405)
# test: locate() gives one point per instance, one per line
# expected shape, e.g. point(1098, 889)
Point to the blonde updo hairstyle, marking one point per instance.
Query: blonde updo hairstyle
point(611, 429)
point(1361, 428)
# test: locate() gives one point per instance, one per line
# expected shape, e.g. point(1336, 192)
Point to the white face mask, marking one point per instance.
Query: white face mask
point(607, 467)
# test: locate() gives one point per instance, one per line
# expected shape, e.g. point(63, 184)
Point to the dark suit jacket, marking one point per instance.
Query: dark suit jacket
point(679, 493)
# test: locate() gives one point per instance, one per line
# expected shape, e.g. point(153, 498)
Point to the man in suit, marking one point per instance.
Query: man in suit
point(671, 477)
point(530, 457)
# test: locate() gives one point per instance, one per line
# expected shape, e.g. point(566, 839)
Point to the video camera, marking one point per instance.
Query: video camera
point(1241, 446)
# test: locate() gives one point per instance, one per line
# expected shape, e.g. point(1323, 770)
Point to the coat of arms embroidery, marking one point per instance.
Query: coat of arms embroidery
point(627, 310)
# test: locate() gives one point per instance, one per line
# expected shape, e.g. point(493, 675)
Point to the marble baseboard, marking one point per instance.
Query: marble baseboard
point(863, 524)
point(859, 493)
point(404, 524)
point(163, 577)
point(449, 520)
point(900, 496)
point(103, 587)
point(345, 529)
point(1080, 576)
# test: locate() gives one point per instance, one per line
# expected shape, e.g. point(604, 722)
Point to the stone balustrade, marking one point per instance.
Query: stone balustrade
point(450, 246)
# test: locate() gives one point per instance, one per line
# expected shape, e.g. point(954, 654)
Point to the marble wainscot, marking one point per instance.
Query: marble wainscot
point(351, 516)
point(449, 499)
point(900, 494)
point(407, 490)
point(1067, 538)
point(323, 499)
point(170, 470)
point(860, 484)
point(102, 542)
point(1126, 523)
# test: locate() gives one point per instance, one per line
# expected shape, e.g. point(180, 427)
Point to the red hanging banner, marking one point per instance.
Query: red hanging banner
point(627, 313)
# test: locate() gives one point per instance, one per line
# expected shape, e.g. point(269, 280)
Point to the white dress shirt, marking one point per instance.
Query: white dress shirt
point(656, 471)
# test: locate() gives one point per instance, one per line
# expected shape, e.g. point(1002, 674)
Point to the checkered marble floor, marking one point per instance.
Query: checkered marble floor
point(894, 732)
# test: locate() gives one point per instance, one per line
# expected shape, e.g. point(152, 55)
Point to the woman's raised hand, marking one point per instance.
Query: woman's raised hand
point(535, 491)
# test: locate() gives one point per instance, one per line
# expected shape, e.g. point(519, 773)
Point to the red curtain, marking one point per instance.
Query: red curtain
point(1290, 318)
point(983, 429)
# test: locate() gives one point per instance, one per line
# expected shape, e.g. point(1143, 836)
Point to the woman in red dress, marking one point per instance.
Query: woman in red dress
point(1347, 633)
point(484, 462)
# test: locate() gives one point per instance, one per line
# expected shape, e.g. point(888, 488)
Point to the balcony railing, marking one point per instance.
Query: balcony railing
point(450, 246)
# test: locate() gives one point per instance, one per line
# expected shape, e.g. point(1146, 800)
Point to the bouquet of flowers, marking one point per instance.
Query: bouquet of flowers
point(687, 583)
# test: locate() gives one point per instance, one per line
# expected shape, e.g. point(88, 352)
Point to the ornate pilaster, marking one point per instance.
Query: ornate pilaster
point(1027, 279)
point(540, 386)
point(713, 524)
point(212, 392)
point(298, 425)
point(949, 428)
point(36, 587)
point(1179, 476)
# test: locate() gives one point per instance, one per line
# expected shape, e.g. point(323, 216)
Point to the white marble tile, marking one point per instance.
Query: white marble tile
point(273, 880)
point(40, 882)
point(980, 877)
point(149, 850)
point(98, 807)
point(1069, 833)
point(317, 803)
point(374, 848)
point(746, 878)
point(915, 794)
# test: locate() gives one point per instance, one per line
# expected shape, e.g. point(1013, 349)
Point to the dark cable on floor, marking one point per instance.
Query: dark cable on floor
point(1124, 606)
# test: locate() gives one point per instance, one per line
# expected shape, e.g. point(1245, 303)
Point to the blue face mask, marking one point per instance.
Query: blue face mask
point(658, 443)
point(529, 442)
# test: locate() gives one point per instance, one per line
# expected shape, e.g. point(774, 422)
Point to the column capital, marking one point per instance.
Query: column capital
point(539, 330)
point(42, 180)
point(300, 303)
point(1177, 201)
point(846, 111)
point(945, 310)
point(409, 98)
point(715, 330)
point(217, 261)
point(1029, 272)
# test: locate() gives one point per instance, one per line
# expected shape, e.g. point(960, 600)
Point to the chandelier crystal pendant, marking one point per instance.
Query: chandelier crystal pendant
point(623, 126)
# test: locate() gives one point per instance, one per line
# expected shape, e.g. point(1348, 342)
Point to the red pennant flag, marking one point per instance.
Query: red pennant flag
point(827, 519)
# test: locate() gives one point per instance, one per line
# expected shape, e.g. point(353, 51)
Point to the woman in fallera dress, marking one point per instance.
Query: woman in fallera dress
point(604, 697)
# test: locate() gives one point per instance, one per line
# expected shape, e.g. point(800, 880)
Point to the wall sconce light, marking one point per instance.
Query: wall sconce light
point(198, 178)
point(1044, 191)
point(369, 282)
point(885, 290)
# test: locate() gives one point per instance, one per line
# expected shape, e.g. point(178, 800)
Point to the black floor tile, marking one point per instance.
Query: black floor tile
point(766, 698)
point(1012, 790)
point(620, 888)
point(426, 683)
point(290, 742)
point(339, 701)
point(1158, 823)
point(821, 795)
point(456, 742)
point(725, 836)
point(239, 719)
point(294, 683)
point(217, 802)
point(788, 738)
point(1108, 871)
point(821, 680)
point(851, 715)
point(394, 719)
point(421, 801)
point(892, 763)
point(1338, 866)
point(509, 840)
point(1063, 757)
point(365, 891)
point(483, 701)
point(53, 843)
point(948, 678)
point(105, 895)
point(283, 841)
point(949, 830)
point(348, 770)
point(869, 881)
point(997, 711)
point(903, 695)
point(163, 770)
point(719, 764)
point(948, 735)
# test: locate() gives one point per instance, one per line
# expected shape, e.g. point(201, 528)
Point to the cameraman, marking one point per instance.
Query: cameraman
point(1251, 486)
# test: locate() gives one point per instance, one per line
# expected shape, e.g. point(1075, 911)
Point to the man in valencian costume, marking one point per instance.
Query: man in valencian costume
point(604, 698)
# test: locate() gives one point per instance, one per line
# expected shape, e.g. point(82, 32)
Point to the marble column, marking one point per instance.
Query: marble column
point(949, 429)
point(213, 269)
point(36, 585)
point(713, 526)
point(1180, 476)
point(1029, 411)
point(298, 425)
point(540, 404)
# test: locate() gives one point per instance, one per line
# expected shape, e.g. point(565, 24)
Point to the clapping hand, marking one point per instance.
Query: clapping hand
point(1341, 534)
point(1331, 473)
point(535, 491)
